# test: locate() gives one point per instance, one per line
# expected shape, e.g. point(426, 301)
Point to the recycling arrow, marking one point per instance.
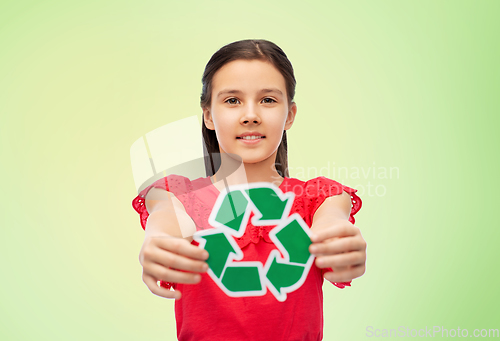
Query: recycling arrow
point(232, 211)
point(286, 268)
point(219, 248)
point(267, 202)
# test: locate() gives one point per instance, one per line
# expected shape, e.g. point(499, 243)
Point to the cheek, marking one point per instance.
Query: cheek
point(278, 126)
point(224, 131)
point(221, 124)
point(277, 135)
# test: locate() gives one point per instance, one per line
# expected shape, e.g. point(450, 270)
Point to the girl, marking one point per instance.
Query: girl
point(247, 103)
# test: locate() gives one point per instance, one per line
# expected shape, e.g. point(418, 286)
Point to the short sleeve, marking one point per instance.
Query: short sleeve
point(320, 188)
point(139, 202)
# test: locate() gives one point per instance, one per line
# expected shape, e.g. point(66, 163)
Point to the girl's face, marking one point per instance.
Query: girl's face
point(249, 96)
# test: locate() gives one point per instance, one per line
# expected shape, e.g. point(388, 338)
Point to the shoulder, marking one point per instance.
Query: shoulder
point(327, 195)
point(326, 188)
point(334, 194)
point(323, 186)
point(173, 183)
point(314, 187)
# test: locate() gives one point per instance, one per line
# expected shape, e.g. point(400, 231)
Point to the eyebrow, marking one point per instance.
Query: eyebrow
point(231, 91)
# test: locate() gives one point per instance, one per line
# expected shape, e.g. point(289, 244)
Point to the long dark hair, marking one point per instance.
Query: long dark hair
point(248, 49)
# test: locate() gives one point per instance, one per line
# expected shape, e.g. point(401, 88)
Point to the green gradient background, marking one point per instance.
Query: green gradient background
point(406, 84)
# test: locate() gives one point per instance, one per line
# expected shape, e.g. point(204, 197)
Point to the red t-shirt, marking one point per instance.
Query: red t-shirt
point(205, 312)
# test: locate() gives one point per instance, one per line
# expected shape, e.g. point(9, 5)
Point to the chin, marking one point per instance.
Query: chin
point(255, 159)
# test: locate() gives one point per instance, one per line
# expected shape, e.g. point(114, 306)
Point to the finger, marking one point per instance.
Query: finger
point(161, 272)
point(153, 286)
point(346, 275)
point(340, 229)
point(182, 247)
point(346, 244)
point(341, 261)
point(172, 260)
point(340, 268)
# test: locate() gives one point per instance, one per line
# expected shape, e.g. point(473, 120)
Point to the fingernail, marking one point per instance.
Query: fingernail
point(204, 267)
point(314, 249)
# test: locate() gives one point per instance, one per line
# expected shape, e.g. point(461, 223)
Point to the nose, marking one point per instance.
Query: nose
point(250, 115)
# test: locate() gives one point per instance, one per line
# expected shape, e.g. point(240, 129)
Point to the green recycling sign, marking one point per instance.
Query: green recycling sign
point(230, 216)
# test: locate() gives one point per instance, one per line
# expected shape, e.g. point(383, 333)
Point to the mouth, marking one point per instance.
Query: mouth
point(251, 137)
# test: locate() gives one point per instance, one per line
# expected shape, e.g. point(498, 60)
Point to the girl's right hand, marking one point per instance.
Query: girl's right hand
point(163, 256)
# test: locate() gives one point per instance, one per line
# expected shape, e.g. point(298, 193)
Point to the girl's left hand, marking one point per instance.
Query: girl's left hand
point(341, 247)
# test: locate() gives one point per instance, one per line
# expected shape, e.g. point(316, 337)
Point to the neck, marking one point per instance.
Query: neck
point(234, 172)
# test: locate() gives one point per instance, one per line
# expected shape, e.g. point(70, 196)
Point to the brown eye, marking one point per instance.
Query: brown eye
point(231, 99)
point(272, 100)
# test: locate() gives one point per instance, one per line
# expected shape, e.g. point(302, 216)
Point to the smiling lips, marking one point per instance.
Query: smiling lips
point(250, 135)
